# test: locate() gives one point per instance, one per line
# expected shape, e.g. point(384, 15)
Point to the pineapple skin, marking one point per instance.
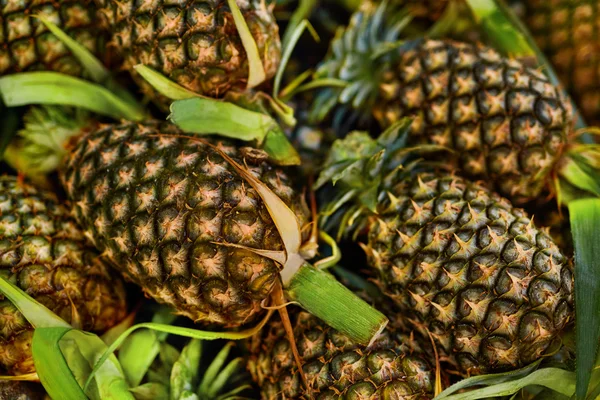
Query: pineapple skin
point(165, 208)
point(193, 42)
point(567, 32)
point(44, 253)
point(461, 262)
point(27, 45)
point(336, 367)
point(506, 123)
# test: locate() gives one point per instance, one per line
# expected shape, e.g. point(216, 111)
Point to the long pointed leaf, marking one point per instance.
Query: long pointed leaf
point(585, 225)
point(256, 70)
point(212, 371)
point(45, 87)
point(56, 376)
point(187, 332)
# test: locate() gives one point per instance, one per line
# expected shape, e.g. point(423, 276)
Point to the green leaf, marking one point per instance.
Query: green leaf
point(279, 148)
point(212, 371)
point(150, 391)
point(27, 88)
point(51, 366)
point(495, 23)
point(256, 70)
point(187, 332)
point(301, 14)
point(224, 375)
point(164, 85)
point(292, 35)
point(585, 227)
point(214, 117)
point(556, 379)
point(95, 69)
point(37, 314)
point(137, 354)
point(109, 378)
point(184, 374)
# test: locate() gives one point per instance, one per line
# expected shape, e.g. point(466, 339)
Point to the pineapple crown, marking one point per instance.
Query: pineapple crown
point(364, 167)
point(358, 56)
point(40, 145)
point(176, 375)
point(578, 172)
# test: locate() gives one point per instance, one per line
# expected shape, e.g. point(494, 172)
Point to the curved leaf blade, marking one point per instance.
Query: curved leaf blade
point(52, 368)
point(45, 87)
point(585, 226)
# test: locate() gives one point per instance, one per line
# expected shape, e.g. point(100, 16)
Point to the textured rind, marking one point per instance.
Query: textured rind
point(21, 390)
point(493, 290)
point(567, 32)
point(165, 208)
point(506, 123)
point(335, 367)
point(44, 253)
point(27, 45)
point(193, 42)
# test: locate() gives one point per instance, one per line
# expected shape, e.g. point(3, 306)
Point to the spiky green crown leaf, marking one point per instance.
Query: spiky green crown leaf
point(360, 167)
point(358, 56)
point(39, 147)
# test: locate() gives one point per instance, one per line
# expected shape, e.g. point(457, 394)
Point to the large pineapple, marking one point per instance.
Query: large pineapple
point(44, 253)
point(334, 366)
point(27, 45)
point(174, 215)
point(503, 122)
point(193, 42)
point(567, 32)
point(457, 259)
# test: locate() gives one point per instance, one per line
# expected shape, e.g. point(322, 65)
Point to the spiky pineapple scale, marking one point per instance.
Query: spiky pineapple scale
point(44, 253)
point(504, 121)
point(193, 42)
point(567, 31)
point(335, 367)
point(461, 262)
point(170, 210)
point(26, 44)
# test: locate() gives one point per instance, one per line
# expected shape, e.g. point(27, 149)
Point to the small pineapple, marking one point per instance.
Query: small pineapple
point(175, 216)
point(44, 253)
point(503, 122)
point(459, 261)
point(193, 42)
point(27, 45)
point(334, 366)
point(567, 31)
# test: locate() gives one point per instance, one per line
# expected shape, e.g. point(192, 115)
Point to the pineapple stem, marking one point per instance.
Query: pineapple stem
point(323, 296)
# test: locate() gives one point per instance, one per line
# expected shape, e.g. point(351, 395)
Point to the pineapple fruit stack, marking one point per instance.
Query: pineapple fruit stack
point(471, 283)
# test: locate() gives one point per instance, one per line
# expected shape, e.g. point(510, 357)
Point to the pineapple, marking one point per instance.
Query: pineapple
point(503, 122)
point(193, 42)
point(336, 367)
point(458, 260)
point(175, 216)
point(44, 253)
point(27, 45)
point(20, 390)
point(567, 31)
